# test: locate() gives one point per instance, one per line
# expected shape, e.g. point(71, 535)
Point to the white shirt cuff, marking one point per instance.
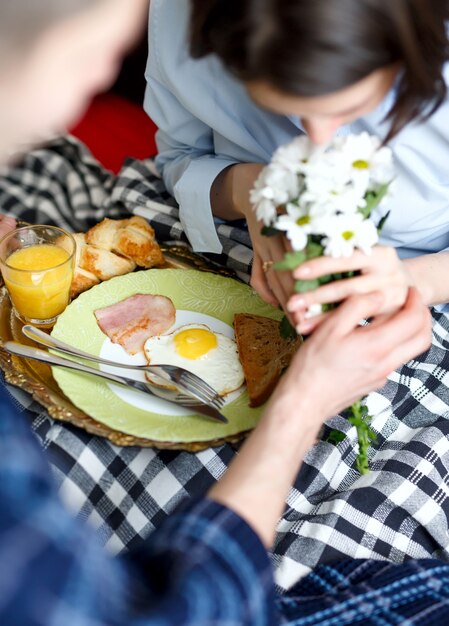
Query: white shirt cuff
point(192, 192)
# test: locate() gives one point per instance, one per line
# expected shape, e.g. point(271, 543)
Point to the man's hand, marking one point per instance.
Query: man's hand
point(7, 224)
point(343, 361)
point(340, 363)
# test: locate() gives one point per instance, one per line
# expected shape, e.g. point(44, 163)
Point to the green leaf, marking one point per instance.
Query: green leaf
point(335, 437)
point(269, 231)
point(381, 223)
point(372, 199)
point(326, 278)
point(301, 286)
point(314, 250)
point(291, 261)
point(286, 330)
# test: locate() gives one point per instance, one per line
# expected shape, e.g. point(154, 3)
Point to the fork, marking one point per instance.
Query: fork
point(186, 381)
point(189, 402)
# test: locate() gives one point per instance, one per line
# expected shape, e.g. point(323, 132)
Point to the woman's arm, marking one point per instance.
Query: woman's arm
point(429, 275)
point(205, 133)
point(174, 100)
point(230, 200)
point(187, 164)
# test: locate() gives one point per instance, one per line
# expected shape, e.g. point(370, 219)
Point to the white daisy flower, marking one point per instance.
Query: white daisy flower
point(368, 160)
point(345, 232)
point(324, 190)
point(297, 225)
point(331, 184)
point(327, 194)
point(274, 187)
point(349, 199)
point(294, 155)
point(266, 211)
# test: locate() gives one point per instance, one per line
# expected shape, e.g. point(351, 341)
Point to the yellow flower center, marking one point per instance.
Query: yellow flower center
point(347, 235)
point(360, 165)
point(302, 221)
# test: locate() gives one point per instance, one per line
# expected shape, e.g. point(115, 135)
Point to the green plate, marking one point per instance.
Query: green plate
point(198, 296)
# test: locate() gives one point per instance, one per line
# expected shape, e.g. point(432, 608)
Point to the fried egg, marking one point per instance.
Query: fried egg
point(204, 352)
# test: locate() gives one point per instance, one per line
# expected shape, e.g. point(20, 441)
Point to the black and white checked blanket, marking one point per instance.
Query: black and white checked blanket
point(398, 511)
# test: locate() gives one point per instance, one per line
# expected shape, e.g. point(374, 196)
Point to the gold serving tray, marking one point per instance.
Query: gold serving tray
point(37, 379)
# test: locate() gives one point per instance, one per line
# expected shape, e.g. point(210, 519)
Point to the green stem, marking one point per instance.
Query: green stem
point(359, 417)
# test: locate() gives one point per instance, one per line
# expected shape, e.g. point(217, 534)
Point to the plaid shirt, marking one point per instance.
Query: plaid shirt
point(202, 566)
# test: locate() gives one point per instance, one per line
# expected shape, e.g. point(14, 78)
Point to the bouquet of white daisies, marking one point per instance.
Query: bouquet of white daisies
point(322, 198)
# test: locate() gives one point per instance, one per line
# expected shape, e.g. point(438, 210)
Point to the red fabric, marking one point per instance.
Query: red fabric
point(114, 128)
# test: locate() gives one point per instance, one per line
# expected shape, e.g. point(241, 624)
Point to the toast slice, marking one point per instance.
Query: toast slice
point(263, 353)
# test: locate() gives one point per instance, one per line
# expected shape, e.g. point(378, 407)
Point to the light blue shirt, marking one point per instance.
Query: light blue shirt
point(207, 121)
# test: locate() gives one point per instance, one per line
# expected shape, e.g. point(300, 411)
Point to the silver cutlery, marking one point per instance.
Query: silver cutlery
point(189, 402)
point(184, 380)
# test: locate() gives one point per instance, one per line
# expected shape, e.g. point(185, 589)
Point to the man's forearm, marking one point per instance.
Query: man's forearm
point(338, 365)
point(257, 483)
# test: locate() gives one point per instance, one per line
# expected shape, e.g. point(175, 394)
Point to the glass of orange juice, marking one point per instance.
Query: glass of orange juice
point(37, 266)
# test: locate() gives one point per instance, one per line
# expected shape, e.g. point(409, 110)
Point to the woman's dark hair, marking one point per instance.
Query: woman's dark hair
point(316, 47)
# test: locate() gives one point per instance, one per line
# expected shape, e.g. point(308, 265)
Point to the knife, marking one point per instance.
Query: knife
point(19, 349)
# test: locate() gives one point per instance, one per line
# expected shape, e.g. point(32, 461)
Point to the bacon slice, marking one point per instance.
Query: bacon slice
point(131, 321)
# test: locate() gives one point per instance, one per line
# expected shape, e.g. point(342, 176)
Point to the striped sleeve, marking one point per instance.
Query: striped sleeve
point(203, 566)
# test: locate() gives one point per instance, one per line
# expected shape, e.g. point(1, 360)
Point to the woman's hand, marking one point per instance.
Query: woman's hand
point(230, 200)
point(380, 271)
point(273, 286)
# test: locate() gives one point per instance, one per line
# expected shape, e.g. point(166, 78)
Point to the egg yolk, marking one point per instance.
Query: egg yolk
point(194, 342)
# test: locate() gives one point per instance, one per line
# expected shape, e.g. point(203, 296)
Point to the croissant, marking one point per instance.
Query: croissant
point(112, 248)
point(133, 238)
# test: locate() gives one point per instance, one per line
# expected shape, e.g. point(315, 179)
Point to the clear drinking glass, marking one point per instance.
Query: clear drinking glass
point(37, 266)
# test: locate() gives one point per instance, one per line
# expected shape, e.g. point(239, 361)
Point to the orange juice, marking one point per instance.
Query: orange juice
point(38, 279)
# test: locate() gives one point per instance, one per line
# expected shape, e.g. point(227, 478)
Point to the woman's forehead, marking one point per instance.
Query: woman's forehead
point(339, 103)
